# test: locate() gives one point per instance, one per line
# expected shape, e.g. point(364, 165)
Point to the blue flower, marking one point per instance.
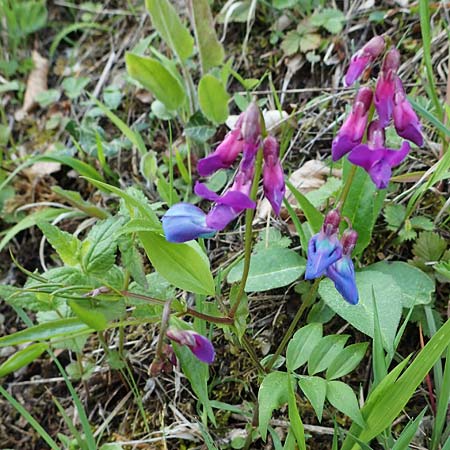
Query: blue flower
point(342, 273)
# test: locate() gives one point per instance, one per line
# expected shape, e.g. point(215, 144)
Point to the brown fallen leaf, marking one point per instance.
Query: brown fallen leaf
point(37, 83)
point(310, 177)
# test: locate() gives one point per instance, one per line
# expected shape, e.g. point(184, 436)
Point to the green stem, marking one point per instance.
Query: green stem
point(290, 331)
point(346, 188)
point(249, 214)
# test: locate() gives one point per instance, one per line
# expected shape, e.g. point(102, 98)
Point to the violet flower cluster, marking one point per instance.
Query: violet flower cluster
point(391, 104)
point(328, 255)
point(183, 221)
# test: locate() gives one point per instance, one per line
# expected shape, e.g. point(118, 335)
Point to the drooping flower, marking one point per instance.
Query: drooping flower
point(352, 131)
point(342, 272)
point(362, 58)
point(199, 345)
point(406, 122)
point(273, 176)
point(324, 248)
point(224, 155)
point(184, 222)
point(375, 158)
point(251, 134)
point(385, 88)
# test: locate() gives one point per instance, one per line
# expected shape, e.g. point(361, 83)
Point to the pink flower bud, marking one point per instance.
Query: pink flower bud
point(331, 222)
point(273, 176)
point(348, 241)
point(362, 58)
point(200, 346)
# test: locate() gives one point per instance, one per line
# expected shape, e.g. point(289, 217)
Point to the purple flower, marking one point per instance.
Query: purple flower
point(251, 134)
point(184, 222)
point(406, 121)
point(352, 131)
point(362, 58)
point(200, 346)
point(342, 272)
point(385, 88)
point(324, 248)
point(273, 176)
point(229, 205)
point(375, 158)
point(224, 155)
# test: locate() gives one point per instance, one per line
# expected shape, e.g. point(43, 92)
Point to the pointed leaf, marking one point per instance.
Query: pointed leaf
point(347, 360)
point(342, 397)
point(213, 99)
point(315, 389)
point(302, 344)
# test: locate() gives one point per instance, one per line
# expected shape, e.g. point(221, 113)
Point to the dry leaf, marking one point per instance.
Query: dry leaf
point(272, 118)
point(37, 83)
point(42, 168)
point(310, 177)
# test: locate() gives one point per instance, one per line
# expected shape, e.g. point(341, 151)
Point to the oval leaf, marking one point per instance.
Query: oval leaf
point(302, 344)
point(157, 79)
point(184, 265)
point(325, 351)
point(346, 360)
point(416, 286)
point(342, 397)
point(22, 358)
point(213, 99)
point(274, 391)
point(315, 389)
point(388, 297)
point(166, 21)
point(269, 269)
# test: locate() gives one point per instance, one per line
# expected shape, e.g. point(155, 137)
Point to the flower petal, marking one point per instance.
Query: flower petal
point(342, 273)
point(203, 349)
point(323, 251)
point(184, 222)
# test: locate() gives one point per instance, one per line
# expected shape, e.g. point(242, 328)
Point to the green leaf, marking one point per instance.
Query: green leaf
point(32, 219)
point(273, 392)
point(99, 248)
point(22, 358)
point(157, 79)
point(65, 244)
point(313, 216)
point(360, 206)
point(394, 215)
point(166, 21)
point(388, 297)
point(269, 269)
point(342, 397)
point(325, 351)
point(199, 128)
point(132, 260)
point(315, 389)
point(386, 402)
point(302, 344)
point(96, 314)
point(330, 18)
point(409, 432)
point(133, 136)
point(429, 246)
point(291, 43)
point(296, 424)
point(347, 360)
point(310, 41)
point(75, 200)
point(416, 286)
point(49, 330)
point(184, 265)
point(213, 99)
point(210, 49)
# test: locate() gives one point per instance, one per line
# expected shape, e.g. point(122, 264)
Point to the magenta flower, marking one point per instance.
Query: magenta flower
point(362, 58)
point(251, 134)
point(375, 158)
point(385, 88)
point(352, 131)
point(406, 122)
point(324, 248)
point(200, 346)
point(273, 176)
point(224, 155)
point(342, 272)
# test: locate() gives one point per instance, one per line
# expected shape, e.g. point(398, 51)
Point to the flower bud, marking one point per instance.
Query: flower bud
point(331, 222)
point(273, 176)
point(348, 241)
point(362, 58)
point(342, 273)
point(251, 127)
point(200, 346)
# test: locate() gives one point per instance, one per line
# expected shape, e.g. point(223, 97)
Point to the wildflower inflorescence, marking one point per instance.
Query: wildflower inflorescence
point(391, 104)
point(184, 221)
point(328, 255)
